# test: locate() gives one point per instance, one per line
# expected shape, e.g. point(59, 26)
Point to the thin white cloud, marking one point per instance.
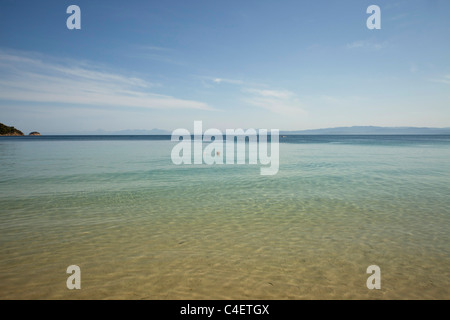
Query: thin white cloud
point(278, 94)
point(413, 68)
point(340, 100)
point(156, 53)
point(212, 82)
point(366, 44)
point(215, 82)
point(444, 79)
point(27, 78)
point(228, 81)
point(281, 102)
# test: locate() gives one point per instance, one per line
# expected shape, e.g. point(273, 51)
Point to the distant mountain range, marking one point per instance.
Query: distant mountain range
point(338, 130)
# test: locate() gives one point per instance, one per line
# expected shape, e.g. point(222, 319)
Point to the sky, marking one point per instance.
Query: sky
point(288, 65)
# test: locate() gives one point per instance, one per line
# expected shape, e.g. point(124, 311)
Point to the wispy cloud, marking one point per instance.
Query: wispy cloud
point(339, 100)
point(278, 101)
point(155, 53)
point(444, 79)
point(281, 102)
point(219, 80)
point(28, 78)
point(413, 68)
point(229, 81)
point(366, 44)
point(277, 94)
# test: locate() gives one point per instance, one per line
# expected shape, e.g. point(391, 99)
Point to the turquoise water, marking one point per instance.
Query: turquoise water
point(141, 227)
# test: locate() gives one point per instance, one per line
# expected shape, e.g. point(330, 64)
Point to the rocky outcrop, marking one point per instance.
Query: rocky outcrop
point(9, 131)
point(34, 133)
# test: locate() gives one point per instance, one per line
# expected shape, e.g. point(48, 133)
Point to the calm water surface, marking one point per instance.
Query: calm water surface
point(141, 227)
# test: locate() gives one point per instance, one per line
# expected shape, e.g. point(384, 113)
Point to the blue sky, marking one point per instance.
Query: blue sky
point(288, 65)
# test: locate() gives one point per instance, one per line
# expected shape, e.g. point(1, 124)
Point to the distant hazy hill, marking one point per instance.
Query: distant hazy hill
point(339, 130)
point(372, 130)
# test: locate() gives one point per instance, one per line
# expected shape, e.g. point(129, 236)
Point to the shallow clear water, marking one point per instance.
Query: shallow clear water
point(141, 227)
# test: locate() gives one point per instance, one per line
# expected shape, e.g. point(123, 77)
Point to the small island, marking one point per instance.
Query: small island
point(34, 133)
point(9, 131)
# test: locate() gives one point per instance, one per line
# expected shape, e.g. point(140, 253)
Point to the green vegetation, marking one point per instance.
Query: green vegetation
point(9, 131)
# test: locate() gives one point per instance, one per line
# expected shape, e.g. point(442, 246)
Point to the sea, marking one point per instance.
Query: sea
point(139, 226)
